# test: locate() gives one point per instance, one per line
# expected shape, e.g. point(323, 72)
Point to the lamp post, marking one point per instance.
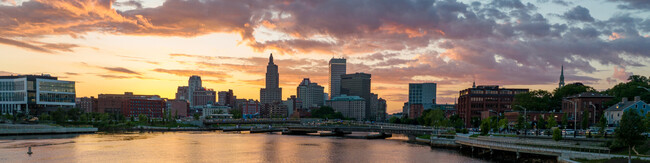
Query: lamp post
point(592, 105)
point(525, 120)
point(575, 117)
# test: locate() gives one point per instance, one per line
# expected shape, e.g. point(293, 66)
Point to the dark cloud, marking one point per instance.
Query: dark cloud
point(633, 4)
point(578, 13)
point(121, 70)
point(559, 2)
point(115, 76)
point(130, 3)
point(72, 73)
point(24, 45)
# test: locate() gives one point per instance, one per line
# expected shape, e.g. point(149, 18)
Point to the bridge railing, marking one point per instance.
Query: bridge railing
point(535, 148)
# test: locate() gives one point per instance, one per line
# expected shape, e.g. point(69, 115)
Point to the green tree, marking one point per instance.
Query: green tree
point(541, 122)
point(456, 121)
point(628, 133)
point(536, 100)
point(602, 124)
point(568, 90)
point(142, 118)
point(494, 124)
point(326, 112)
point(196, 116)
point(236, 113)
point(503, 124)
point(557, 134)
point(585, 119)
point(485, 126)
point(629, 89)
point(520, 123)
point(394, 120)
point(565, 121)
point(42, 117)
point(550, 122)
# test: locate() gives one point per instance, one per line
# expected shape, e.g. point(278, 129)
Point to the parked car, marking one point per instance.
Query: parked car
point(609, 131)
point(568, 132)
point(592, 132)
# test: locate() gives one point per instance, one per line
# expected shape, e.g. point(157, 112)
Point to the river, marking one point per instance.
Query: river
point(217, 147)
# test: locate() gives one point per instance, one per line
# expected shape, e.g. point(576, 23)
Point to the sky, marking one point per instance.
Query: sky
point(153, 46)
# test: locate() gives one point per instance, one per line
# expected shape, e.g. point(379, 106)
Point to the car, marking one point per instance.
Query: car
point(609, 131)
point(592, 132)
point(568, 132)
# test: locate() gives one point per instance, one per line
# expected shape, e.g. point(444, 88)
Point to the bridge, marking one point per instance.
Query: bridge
point(369, 128)
point(251, 121)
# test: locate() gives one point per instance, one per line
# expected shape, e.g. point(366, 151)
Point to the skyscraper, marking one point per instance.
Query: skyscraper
point(193, 84)
point(337, 68)
point(310, 93)
point(272, 93)
point(357, 84)
point(195, 94)
point(422, 93)
point(561, 84)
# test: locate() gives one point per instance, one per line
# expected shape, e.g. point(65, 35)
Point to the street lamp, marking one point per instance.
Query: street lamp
point(592, 105)
point(525, 120)
point(575, 117)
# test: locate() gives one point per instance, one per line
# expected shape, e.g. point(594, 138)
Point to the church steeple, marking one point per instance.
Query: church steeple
point(474, 84)
point(561, 84)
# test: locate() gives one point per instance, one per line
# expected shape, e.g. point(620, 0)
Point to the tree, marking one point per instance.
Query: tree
point(629, 89)
point(196, 116)
point(557, 134)
point(550, 122)
point(520, 123)
point(485, 126)
point(394, 120)
point(565, 121)
point(568, 90)
point(326, 112)
point(537, 100)
point(494, 124)
point(541, 123)
point(236, 113)
point(628, 133)
point(456, 121)
point(503, 124)
point(602, 124)
point(142, 118)
point(585, 119)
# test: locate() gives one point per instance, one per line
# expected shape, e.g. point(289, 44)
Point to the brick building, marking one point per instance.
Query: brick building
point(590, 101)
point(112, 103)
point(151, 107)
point(472, 101)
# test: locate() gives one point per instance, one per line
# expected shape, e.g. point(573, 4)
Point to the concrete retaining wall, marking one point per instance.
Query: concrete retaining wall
point(57, 130)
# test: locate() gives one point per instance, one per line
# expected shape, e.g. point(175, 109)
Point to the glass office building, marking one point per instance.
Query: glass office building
point(35, 94)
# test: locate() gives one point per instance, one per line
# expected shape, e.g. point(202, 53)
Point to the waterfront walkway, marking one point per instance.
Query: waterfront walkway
point(27, 129)
point(515, 147)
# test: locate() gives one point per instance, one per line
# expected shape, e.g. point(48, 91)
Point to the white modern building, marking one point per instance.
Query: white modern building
point(310, 93)
point(35, 94)
point(615, 113)
point(214, 111)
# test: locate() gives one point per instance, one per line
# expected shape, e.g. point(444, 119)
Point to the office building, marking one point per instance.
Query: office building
point(113, 103)
point(272, 92)
point(178, 108)
point(422, 93)
point(195, 93)
point(357, 84)
point(473, 101)
point(153, 107)
point(274, 110)
point(381, 110)
point(349, 106)
point(35, 94)
point(591, 101)
point(87, 104)
point(337, 67)
point(227, 98)
point(249, 108)
point(310, 93)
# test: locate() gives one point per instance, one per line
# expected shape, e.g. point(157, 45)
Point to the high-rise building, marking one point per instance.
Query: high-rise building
point(473, 101)
point(195, 93)
point(561, 84)
point(381, 113)
point(113, 103)
point(374, 107)
point(272, 93)
point(357, 84)
point(227, 98)
point(337, 68)
point(422, 93)
point(349, 106)
point(294, 106)
point(87, 104)
point(310, 93)
point(35, 94)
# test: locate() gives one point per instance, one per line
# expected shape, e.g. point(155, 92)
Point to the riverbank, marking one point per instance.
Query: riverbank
point(23, 129)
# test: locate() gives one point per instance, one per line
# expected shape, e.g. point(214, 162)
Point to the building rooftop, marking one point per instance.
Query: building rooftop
point(29, 77)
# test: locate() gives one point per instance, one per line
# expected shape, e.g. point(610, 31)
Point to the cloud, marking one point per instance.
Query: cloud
point(12, 2)
point(5, 73)
point(115, 76)
point(185, 73)
point(578, 13)
point(121, 70)
point(633, 4)
point(559, 2)
point(72, 73)
point(24, 45)
point(131, 3)
point(620, 73)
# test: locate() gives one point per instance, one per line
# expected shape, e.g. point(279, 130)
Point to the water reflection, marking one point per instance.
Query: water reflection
point(218, 147)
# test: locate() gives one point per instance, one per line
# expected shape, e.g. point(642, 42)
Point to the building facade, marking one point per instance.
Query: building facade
point(113, 103)
point(422, 93)
point(272, 92)
point(35, 94)
point(87, 104)
point(337, 67)
point(381, 111)
point(472, 101)
point(178, 108)
point(357, 84)
point(227, 98)
point(349, 106)
point(310, 93)
point(150, 107)
point(615, 112)
point(274, 110)
point(250, 109)
point(593, 102)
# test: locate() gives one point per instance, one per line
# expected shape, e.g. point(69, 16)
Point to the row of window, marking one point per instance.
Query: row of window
point(56, 86)
point(493, 92)
point(12, 96)
point(55, 97)
point(490, 106)
point(480, 99)
point(12, 85)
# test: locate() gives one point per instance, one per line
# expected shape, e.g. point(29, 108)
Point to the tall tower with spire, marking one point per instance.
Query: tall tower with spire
point(272, 92)
point(561, 84)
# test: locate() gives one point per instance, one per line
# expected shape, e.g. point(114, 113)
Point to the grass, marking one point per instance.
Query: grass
point(424, 136)
point(644, 150)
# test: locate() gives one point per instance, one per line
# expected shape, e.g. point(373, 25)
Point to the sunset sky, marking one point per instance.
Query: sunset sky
point(153, 46)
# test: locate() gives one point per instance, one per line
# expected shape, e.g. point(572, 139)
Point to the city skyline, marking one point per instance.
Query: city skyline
point(146, 54)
